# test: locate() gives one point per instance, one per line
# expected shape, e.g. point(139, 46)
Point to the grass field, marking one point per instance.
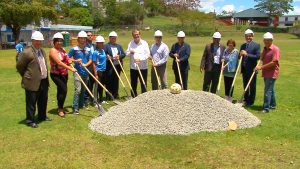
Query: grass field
point(68, 143)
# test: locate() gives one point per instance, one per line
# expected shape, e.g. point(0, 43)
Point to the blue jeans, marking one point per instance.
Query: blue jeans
point(79, 91)
point(269, 94)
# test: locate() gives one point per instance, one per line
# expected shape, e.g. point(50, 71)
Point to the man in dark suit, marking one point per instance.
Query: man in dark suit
point(180, 52)
point(32, 66)
point(115, 52)
point(250, 52)
point(211, 63)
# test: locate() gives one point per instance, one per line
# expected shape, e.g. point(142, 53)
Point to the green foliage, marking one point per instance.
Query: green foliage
point(123, 13)
point(269, 29)
point(274, 8)
point(195, 22)
point(66, 5)
point(131, 12)
point(112, 12)
point(154, 7)
point(18, 13)
point(81, 16)
point(98, 19)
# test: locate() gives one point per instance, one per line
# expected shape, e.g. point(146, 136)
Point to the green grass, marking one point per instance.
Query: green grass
point(68, 143)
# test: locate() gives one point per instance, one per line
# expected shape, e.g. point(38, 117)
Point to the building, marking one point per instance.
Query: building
point(251, 17)
point(287, 20)
point(47, 29)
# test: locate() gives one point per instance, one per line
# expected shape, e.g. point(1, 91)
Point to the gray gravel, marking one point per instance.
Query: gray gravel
point(160, 112)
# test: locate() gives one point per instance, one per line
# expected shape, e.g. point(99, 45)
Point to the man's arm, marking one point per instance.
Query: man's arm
point(203, 60)
point(22, 63)
point(256, 53)
point(172, 52)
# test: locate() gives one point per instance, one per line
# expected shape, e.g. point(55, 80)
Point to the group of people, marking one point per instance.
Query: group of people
point(102, 64)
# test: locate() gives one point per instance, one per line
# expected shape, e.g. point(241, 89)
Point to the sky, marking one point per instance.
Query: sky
point(237, 5)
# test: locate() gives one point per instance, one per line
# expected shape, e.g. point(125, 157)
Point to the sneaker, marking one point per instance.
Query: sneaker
point(265, 111)
point(76, 112)
point(273, 108)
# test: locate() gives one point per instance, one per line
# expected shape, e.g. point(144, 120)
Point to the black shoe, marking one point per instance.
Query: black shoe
point(33, 125)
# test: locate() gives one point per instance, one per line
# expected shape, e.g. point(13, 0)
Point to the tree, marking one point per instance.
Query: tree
point(154, 7)
point(131, 12)
point(81, 16)
point(185, 4)
point(274, 8)
point(19, 13)
point(112, 12)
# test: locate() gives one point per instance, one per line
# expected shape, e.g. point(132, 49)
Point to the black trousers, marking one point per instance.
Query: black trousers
point(134, 76)
point(251, 92)
point(184, 76)
point(227, 83)
point(62, 89)
point(113, 81)
point(39, 98)
point(99, 89)
point(211, 79)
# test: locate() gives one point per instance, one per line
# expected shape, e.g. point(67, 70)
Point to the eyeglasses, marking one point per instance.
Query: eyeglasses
point(89, 35)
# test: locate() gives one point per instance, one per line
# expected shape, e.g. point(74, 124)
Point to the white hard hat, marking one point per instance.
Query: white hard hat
point(100, 39)
point(82, 34)
point(158, 33)
point(268, 35)
point(37, 35)
point(217, 35)
point(58, 35)
point(249, 31)
point(180, 34)
point(113, 33)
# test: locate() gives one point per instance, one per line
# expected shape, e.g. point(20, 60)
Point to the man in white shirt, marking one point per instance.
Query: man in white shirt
point(138, 51)
point(159, 53)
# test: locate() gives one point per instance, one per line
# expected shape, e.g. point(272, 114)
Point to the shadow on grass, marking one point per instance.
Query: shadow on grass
point(255, 108)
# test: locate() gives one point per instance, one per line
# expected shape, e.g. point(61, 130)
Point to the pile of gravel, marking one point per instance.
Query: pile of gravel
point(160, 112)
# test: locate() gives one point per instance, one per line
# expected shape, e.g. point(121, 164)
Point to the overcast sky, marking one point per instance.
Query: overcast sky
point(237, 5)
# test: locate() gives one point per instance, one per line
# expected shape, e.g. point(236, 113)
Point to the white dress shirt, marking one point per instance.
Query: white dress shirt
point(141, 51)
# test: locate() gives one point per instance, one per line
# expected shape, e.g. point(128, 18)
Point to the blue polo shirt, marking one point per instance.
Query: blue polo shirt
point(99, 57)
point(19, 48)
point(84, 54)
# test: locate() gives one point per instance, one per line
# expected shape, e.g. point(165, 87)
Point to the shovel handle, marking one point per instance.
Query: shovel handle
point(112, 64)
point(179, 73)
point(99, 83)
point(235, 76)
point(138, 67)
point(126, 78)
point(220, 78)
point(155, 71)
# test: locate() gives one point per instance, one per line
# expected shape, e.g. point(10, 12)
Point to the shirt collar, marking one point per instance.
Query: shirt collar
point(271, 47)
point(35, 49)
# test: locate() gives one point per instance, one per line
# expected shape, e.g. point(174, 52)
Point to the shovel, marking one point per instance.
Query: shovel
point(179, 73)
point(119, 77)
point(155, 70)
point(240, 102)
point(220, 78)
point(100, 109)
point(126, 78)
point(143, 81)
point(110, 95)
point(234, 79)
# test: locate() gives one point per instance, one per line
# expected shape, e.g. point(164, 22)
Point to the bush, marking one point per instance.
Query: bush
point(269, 29)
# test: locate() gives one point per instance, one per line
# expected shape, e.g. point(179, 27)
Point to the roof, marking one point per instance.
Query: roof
point(250, 13)
point(61, 27)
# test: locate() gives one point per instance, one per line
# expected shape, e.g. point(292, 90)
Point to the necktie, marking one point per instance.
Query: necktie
point(42, 65)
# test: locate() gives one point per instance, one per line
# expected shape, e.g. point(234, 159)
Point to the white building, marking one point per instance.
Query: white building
point(287, 20)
